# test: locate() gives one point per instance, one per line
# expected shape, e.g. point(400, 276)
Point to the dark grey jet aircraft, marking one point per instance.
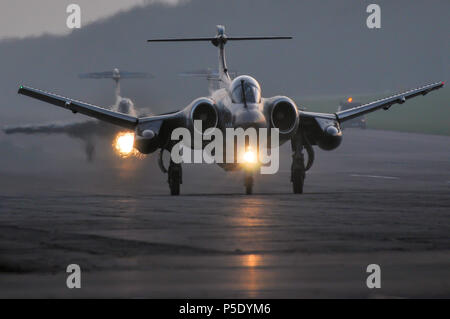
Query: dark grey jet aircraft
point(88, 130)
point(236, 104)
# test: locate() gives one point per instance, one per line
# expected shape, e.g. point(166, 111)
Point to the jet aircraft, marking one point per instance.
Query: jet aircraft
point(237, 103)
point(87, 130)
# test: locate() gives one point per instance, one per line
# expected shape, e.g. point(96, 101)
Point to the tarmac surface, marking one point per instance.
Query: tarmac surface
point(381, 198)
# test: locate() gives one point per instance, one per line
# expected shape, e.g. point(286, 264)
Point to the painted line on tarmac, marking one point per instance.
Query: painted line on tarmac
point(374, 176)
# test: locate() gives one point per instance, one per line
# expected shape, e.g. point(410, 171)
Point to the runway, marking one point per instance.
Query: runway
point(381, 198)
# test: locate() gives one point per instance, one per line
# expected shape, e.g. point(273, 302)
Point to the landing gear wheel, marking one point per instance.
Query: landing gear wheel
point(174, 178)
point(298, 169)
point(298, 179)
point(248, 180)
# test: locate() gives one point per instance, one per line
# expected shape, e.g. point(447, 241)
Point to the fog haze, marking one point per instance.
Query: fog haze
point(333, 52)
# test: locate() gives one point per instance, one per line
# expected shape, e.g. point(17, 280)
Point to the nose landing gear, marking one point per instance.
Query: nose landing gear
point(248, 182)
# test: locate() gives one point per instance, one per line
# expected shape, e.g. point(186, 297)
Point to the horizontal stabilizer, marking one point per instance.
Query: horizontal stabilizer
point(116, 75)
point(205, 73)
point(220, 39)
point(215, 38)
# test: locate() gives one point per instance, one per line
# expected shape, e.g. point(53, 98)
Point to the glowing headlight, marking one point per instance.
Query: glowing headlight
point(124, 144)
point(250, 157)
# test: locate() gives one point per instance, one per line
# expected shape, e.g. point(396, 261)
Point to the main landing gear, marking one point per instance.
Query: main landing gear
point(298, 172)
point(174, 173)
point(298, 169)
point(174, 178)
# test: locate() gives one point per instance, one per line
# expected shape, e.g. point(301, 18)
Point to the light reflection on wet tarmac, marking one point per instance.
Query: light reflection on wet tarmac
point(134, 240)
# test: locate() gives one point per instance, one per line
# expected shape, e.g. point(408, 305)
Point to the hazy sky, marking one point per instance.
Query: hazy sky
point(333, 53)
point(21, 18)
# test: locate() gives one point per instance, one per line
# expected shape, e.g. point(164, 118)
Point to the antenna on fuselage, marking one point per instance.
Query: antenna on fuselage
point(116, 75)
point(219, 41)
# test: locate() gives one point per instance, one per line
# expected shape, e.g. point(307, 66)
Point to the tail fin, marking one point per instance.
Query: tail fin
point(219, 41)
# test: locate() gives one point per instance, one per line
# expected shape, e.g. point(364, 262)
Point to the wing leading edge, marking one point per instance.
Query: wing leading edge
point(75, 106)
point(386, 103)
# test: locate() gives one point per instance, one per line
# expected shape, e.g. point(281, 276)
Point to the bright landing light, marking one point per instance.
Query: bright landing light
point(250, 157)
point(123, 144)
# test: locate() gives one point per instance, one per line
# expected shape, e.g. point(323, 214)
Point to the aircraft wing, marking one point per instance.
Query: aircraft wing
point(75, 129)
point(120, 119)
point(386, 103)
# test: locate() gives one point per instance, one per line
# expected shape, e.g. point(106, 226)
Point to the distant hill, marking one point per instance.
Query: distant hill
point(333, 52)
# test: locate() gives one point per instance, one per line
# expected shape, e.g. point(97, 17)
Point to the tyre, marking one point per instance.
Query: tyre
point(298, 179)
point(174, 188)
point(248, 184)
point(174, 180)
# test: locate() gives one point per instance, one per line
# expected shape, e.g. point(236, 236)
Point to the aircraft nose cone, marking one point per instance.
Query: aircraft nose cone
point(249, 118)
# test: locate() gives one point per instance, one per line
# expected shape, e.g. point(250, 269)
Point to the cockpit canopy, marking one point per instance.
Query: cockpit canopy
point(246, 89)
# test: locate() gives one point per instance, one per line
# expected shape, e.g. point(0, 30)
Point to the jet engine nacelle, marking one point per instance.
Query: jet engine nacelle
point(284, 116)
point(204, 110)
point(146, 141)
point(331, 136)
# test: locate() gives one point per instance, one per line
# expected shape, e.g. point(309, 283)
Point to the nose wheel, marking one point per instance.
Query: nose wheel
point(248, 181)
point(174, 178)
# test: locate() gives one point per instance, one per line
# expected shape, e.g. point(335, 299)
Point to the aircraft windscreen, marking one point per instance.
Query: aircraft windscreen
point(245, 90)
